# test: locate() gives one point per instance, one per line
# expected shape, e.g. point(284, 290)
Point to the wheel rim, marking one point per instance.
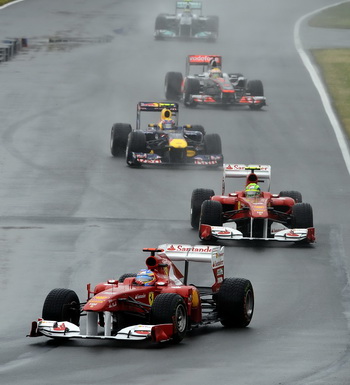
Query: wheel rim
point(249, 303)
point(180, 319)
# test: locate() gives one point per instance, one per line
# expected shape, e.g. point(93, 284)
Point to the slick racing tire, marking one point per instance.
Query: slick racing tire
point(191, 87)
point(172, 85)
point(199, 195)
point(211, 213)
point(170, 308)
point(161, 22)
point(119, 138)
point(136, 143)
point(296, 195)
point(302, 216)
point(212, 24)
point(212, 144)
point(255, 88)
point(62, 305)
point(235, 302)
point(126, 275)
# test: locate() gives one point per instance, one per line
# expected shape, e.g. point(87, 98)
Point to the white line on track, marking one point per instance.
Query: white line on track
point(315, 76)
point(8, 4)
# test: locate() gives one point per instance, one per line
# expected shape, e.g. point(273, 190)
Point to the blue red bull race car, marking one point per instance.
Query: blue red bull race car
point(165, 142)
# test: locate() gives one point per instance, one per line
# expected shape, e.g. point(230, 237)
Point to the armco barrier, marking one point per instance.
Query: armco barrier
point(9, 47)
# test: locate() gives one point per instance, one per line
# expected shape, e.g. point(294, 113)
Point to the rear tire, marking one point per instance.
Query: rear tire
point(211, 213)
point(235, 302)
point(199, 195)
point(296, 195)
point(173, 83)
point(126, 275)
point(170, 308)
point(119, 138)
point(302, 216)
point(197, 127)
point(62, 305)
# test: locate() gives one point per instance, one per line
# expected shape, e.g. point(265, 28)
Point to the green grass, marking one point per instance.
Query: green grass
point(334, 64)
point(335, 17)
point(3, 2)
point(335, 68)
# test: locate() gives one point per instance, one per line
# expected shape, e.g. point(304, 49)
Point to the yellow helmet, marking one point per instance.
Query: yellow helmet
point(215, 73)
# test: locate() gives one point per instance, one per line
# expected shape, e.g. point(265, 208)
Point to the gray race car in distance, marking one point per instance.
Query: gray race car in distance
point(187, 23)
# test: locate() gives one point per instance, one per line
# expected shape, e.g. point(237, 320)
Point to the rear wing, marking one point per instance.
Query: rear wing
point(261, 172)
point(198, 253)
point(207, 61)
point(189, 5)
point(156, 107)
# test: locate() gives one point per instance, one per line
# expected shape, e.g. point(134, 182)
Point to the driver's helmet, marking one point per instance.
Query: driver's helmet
point(252, 190)
point(215, 73)
point(167, 124)
point(145, 277)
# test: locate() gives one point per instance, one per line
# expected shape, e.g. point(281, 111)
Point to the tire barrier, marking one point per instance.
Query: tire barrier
point(9, 47)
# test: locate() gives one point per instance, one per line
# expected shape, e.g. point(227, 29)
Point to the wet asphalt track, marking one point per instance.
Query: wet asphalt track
point(71, 214)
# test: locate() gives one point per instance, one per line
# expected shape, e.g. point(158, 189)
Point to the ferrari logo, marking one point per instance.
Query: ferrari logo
point(150, 297)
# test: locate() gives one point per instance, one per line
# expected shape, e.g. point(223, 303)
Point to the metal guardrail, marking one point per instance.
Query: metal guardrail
point(9, 47)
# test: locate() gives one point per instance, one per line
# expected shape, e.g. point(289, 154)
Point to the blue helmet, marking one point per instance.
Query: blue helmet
point(145, 277)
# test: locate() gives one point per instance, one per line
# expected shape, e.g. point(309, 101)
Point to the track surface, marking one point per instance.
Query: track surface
point(71, 214)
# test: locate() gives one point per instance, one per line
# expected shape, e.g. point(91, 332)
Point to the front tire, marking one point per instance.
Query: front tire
point(211, 213)
point(235, 302)
point(136, 143)
point(212, 144)
point(170, 308)
point(191, 87)
point(62, 305)
point(119, 138)
point(255, 88)
point(199, 195)
point(172, 85)
point(302, 216)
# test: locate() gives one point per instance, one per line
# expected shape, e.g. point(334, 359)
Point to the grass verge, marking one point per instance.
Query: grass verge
point(335, 68)
point(334, 64)
point(335, 17)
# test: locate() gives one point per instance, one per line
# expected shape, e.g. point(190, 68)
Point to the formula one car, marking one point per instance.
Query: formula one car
point(165, 142)
point(265, 216)
point(157, 304)
point(212, 86)
point(187, 23)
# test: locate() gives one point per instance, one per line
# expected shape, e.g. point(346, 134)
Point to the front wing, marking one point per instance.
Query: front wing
point(67, 330)
point(207, 232)
point(139, 158)
point(169, 34)
point(243, 101)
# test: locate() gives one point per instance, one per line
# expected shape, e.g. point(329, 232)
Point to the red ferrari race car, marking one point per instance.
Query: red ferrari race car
point(157, 303)
point(165, 142)
point(212, 86)
point(251, 214)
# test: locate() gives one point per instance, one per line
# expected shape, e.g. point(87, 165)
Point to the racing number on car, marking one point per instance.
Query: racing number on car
point(151, 297)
